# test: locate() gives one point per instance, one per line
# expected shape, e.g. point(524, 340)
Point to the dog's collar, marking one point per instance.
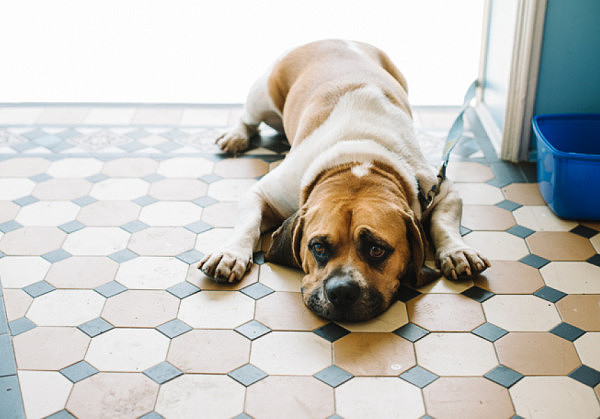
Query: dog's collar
point(364, 151)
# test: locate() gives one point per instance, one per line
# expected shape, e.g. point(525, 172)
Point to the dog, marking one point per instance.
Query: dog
point(346, 197)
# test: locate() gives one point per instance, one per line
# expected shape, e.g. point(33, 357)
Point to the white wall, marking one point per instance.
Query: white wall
point(209, 51)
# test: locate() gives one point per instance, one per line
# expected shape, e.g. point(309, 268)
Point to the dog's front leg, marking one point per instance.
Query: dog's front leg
point(230, 262)
point(454, 257)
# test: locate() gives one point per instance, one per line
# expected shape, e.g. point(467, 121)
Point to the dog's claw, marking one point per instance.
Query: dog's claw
point(461, 263)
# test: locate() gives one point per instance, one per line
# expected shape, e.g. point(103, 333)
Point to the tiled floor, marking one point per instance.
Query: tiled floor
point(104, 213)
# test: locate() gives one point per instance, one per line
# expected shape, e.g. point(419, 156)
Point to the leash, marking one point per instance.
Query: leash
point(452, 139)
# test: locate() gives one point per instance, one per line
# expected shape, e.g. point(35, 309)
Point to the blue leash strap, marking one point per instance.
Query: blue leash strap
point(452, 139)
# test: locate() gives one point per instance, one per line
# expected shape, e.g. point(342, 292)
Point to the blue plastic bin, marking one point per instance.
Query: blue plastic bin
point(568, 163)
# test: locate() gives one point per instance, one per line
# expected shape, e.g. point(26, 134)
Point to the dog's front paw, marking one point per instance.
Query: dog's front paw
point(225, 265)
point(233, 142)
point(463, 262)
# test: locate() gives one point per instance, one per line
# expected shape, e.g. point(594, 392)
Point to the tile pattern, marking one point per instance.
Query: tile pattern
point(102, 309)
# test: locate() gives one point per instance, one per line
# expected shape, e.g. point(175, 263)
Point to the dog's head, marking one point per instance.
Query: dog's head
point(355, 237)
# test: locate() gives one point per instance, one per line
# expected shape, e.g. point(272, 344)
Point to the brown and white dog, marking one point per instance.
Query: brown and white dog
point(347, 192)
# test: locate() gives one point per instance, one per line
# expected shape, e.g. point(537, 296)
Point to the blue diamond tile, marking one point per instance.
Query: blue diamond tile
point(464, 231)
point(333, 376)
point(419, 376)
point(95, 327)
point(84, 201)
point(257, 291)
point(68, 133)
point(210, 178)
point(20, 325)
point(137, 134)
point(508, 205)
point(56, 255)
point(478, 294)
point(26, 200)
point(173, 328)
point(199, 227)
point(406, 294)
point(503, 376)
point(98, 177)
point(48, 140)
point(567, 331)
point(2, 255)
point(594, 260)
point(520, 231)
point(411, 332)
point(204, 201)
point(168, 147)
point(584, 231)
point(183, 289)
point(71, 226)
point(62, 414)
point(489, 332)
point(134, 226)
point(586, 375)
point(9, 226)
point(79, 371)
point(259, 258)
point(549, 294)
point(534, 261)
point(247, 375)
point(145, 200)
point(39, 288)
point(132, 146)
point(162, 372)
point(8, 365)
point(242, 416)
point(42, 177)
point(123, 255)
point(174, 134)
point(154, 177)
point(110, 289)
point(191, 256)
point(151, 415)
point(32, 135)
point(252, 330)
point(331, 332)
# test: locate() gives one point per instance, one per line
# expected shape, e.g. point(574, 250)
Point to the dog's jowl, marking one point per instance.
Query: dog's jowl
point(345, 199)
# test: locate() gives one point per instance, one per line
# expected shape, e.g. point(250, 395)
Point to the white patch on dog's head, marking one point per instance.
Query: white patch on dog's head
point(362, 169)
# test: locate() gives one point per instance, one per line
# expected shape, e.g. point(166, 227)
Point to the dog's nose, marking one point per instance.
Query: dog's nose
point(342, 291)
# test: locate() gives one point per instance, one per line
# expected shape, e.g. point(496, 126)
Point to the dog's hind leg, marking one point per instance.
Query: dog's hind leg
point(258, 108)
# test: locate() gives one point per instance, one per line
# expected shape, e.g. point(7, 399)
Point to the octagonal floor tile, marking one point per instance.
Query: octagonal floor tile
point(33, 240)
point(373, 354)
point(212, 239)
point(185, 167)
point(478, 193)
point(74, 167)
point(537, 353)
point(178, 189)
point(455, 354)
point(560, 246)
point(582, 311)
point(127, 350)
point(541, 218)
point(275, 394)
point(291, 353)
point(510, 277)
point(47, 213)
point(497, 245)
point(521, 313)
point(23, 166)
point(44, 392)
point(16, 303)
point(173, 213)
point(8, 211)
point(572, 277)
point(222, 214)
point(554, 398)
point(130, 167)
point(96, 241)
point(486, 217)
point(61, 189)
point(209, 351)
point(523, 193)
point(467, 397)
point(162, 241)
point(65, 308)
point(83, 272)
point(11, 189)
point(115, 395)
point(296, 315)
point(200, 395)
point(20, 271)
point(140, 308)
point(587, 347)
point(49, 348)
point(230, 189)
point(108, 213)
point(388, 321)
point(147, 272)
point(445, 312)
point(119, 189)
point(216, 309)
point(354, 398)
point(241, 168)
point(446, 286)
point(463, 171)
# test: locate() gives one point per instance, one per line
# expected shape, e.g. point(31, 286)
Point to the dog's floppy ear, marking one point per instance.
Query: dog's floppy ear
point(420, 274)
point(285, 242)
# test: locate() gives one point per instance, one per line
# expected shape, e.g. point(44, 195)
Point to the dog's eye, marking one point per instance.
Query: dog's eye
point(376, 252)
point(319, 249)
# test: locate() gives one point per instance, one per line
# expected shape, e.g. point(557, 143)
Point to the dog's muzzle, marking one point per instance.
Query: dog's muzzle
point(342, 291)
